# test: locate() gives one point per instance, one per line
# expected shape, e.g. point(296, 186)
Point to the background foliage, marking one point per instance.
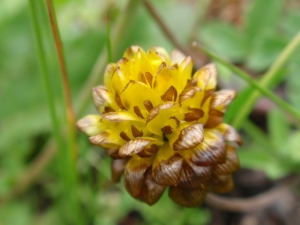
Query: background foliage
point(251, 36)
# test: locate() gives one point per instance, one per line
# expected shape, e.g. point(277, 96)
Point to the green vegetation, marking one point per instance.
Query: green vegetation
point(42, 182)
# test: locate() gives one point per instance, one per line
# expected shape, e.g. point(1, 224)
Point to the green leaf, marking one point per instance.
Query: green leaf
point(225, 39)
point(278, 127)
point(265, 51)
point(260, 159)
point(293, 84)
point(261, 18)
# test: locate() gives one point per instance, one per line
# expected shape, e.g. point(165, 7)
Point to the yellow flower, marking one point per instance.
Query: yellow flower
point(163, 127)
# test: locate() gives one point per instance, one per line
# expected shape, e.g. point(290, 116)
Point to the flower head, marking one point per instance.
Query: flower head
point(164, 127)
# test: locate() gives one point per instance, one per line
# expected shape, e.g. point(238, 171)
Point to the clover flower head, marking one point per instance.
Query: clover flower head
point(163, 127)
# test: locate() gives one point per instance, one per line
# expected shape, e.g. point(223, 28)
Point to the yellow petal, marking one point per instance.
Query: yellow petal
point(135, 174)
point(166, 166)
point(162, 53)
point(185, 71)
point(187, 197)
point(161, 116)
point(135, 94)
point(166, 77)
point(91, 125)
point(187, 136)
point(109, 71)
point(151, 191)
point(211, 151)
point(131, 51)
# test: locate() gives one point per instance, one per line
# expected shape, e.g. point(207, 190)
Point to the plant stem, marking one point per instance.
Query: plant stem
point(108, 42)
point(45, 75)
point(247, 107)
point(64, 77)
point(266, 81)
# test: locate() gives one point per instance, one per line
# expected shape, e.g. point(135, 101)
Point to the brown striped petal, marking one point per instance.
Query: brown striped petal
point(209, 152)
point(193, 176)
point(187, 197)
point(106, 140)
point(221, 99)
point(151, 191)
point(117, 168)
point(135, 175)
point(194, 114)
point(221, 183)
point(231, 165)
point(166, 166)
point(207, 77)
point(189, 137)
point(100, 96)
point(213, 121)
point(232, 135)
point(120, 117)
point(135, 146)
point(187, 93)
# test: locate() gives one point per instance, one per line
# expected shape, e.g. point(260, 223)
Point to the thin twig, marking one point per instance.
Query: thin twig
point(64, 76)
point(254, 203)
point(168, 33)
point(257, 202)
point(164, 27)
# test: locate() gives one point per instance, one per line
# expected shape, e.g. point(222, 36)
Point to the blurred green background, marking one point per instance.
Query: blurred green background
point(250, 34)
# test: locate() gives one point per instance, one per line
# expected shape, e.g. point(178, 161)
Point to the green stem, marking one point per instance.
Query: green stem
point(248, 105)
point(108, 42)
point(64, 78)
point(95, 76)
point(69, 155)
point(45, 74)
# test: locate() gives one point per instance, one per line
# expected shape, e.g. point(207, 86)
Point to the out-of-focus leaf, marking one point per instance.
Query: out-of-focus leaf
point(225, 39)
point(261, 159)
point(278, 128)
point(265, 51)
point(293, 83)
point(16, 213)
point(289, 23)
point(292, 149)
point(261, 18)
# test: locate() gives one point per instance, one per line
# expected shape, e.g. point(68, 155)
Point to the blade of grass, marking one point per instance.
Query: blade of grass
point(108, 41)
point(71, 183)
point(261, 87)
point(64, 78)
point(45, 74)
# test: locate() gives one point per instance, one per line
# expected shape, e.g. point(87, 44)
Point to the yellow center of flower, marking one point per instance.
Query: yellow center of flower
point(164, 127)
